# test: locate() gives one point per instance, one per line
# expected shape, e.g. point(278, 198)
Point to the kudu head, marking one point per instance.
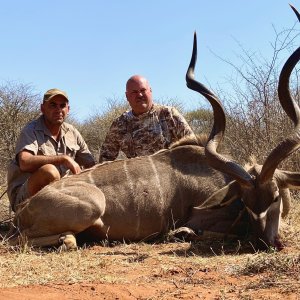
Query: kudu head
point(261, 188)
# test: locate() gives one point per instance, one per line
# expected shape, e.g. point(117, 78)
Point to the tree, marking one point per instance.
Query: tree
point(256, 122)
point(95, 128)
point(18, 105)
point(200, 120)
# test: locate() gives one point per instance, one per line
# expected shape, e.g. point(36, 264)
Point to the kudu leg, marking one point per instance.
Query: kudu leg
point(205, 223)
point(65, 241)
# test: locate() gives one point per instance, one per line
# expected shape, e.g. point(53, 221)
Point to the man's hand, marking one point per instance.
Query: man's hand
point(71, 164)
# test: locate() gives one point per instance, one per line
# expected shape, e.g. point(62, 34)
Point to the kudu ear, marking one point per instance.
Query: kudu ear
point(289, 180)
point(223, 196)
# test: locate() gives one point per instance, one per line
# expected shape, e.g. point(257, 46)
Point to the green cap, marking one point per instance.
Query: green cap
point(54, 92)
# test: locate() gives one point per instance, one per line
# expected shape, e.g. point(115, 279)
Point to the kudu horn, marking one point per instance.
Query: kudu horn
point(292, 142)
point(215, 159)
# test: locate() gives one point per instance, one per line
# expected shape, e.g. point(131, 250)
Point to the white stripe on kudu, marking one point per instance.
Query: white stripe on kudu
point(131, 188)
point(128, 178)
point(90, 177)
point(158, 185)
point(258, 216)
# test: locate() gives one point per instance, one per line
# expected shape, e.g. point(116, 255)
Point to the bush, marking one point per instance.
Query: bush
point(18, 105)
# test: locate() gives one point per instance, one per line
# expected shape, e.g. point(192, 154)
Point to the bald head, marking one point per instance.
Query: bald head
point(136, 79)
point(139, 94)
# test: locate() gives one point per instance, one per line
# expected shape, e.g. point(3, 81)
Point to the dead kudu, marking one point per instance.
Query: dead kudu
point(144, 197)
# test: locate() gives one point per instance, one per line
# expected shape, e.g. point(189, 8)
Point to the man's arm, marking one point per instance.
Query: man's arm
point(83, 156)
point(182, 126)
point(29, 162)
point(111, 145)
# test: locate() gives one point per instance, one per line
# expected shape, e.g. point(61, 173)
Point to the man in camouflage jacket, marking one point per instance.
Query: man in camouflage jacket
point(146, 128)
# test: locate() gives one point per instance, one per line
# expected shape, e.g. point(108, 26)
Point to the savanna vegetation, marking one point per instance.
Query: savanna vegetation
point(210, 269)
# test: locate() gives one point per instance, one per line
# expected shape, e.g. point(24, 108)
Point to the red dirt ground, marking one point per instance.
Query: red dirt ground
point(150, 279)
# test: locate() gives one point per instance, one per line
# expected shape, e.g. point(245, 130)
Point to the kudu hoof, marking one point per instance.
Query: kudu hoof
point(68, 242)
point(182, 234)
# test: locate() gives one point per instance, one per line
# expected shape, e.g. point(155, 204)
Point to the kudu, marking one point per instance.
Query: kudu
point(143, 197)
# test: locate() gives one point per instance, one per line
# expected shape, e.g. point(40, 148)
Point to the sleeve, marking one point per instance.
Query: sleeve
point(83, 155)
point(27, 141)
point(112, 143)
point(182, 128)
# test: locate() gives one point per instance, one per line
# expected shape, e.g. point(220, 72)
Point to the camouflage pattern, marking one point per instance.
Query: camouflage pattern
point(144, 134)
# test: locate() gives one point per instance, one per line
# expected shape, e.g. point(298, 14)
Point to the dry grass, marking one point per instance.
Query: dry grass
point(5, 212)
point(183, 264)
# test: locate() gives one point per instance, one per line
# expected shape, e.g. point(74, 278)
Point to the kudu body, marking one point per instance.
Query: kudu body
point(140, 198)
point(130, 200)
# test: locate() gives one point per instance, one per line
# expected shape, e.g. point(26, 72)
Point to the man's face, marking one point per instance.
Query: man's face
point(139, 96)
point(55, 110)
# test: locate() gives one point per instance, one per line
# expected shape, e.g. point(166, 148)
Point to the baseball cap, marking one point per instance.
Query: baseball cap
point(54, 92)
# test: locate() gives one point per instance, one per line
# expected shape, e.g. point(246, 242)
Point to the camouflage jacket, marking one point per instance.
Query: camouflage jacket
point(144, 134)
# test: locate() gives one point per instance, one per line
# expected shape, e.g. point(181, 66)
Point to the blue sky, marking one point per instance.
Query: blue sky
point(90, 48)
